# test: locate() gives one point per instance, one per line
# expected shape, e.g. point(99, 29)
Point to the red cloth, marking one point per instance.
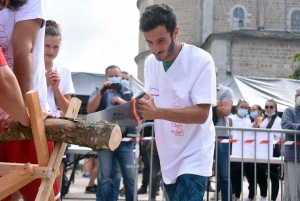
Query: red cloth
point(23, 151)
point(2, 59)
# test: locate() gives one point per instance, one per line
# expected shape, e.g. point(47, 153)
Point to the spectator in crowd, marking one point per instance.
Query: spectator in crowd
point(125, 79)
point(239, 120)
point(59, 83)
point(91, 163)
point(256, 116)
point(271, 120)
point(220, 113)
point(108, 161)
point(174, 81)
point(25, 29)
point(125, 82)
point(291, 120)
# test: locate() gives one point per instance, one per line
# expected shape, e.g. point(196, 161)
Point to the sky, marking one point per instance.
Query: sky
point(96, 33)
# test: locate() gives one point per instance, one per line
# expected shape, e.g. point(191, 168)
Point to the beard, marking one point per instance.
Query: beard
point(15, 5)
point(170, 50)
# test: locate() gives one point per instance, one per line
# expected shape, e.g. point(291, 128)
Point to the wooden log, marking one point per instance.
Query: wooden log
point(99, 136)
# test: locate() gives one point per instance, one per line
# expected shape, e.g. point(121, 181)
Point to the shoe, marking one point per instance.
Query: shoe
point(86, 175)
point(214, 198)
point(122, 193)
point(142, 190)
point(90, 189)
point(210, 189)
point(263, 199)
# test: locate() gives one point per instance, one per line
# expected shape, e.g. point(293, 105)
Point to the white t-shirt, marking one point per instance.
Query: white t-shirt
point(33, 9)
point(65, 86)
point(276, 125)
point(183, 148)
point(241, 136)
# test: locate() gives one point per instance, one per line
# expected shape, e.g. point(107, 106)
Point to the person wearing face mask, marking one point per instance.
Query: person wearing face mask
point(112, 163)
point(272, 121)
point(256, 112)
point(239, 120)
point(291, 120)
point(125, 79)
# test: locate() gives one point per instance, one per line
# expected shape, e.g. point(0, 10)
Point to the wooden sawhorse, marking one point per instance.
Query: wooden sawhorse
point(16, 175)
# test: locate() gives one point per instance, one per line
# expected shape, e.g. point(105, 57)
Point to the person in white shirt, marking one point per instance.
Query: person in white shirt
point(59, 80)
point(239, 120)
point(271, 120)
point(256, 114)
point(180, 85)
point(22, 31)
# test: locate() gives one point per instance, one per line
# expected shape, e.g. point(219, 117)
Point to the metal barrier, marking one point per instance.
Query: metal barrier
point(255, 142)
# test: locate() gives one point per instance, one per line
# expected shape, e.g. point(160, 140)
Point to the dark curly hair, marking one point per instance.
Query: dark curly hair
point(156, 15)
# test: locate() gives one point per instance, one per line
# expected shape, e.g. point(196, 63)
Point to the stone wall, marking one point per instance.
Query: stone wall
point(223, 11)
point(263, 59)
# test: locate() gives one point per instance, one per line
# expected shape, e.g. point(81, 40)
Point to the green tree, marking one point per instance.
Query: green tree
point(296, 73)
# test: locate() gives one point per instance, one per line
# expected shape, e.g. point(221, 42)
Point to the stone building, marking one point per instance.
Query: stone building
point(245, 37)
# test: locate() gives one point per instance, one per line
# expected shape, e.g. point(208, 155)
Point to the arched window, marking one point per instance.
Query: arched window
point(238, 17)
point(295, 20)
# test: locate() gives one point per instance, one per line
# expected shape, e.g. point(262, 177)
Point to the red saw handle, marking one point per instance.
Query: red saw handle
point(135, 111)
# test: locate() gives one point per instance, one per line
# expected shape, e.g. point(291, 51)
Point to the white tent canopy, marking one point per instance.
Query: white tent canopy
point(257, 90)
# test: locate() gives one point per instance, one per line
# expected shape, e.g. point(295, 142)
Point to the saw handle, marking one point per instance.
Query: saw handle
point(135, 111)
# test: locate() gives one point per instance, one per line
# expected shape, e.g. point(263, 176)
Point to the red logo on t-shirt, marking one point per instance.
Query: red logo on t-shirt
point(177, 128)
point(154, 91)
point(3, 35)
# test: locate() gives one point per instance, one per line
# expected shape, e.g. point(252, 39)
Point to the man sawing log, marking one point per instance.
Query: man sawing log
point(98, 136)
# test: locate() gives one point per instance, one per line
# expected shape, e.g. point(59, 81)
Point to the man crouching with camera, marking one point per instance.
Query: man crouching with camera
point(113, 163)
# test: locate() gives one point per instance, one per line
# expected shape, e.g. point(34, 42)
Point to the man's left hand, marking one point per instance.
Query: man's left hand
point(117, 100)
point(147, 107)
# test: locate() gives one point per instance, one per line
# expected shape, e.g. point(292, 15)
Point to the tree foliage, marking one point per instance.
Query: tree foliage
point(296, 73)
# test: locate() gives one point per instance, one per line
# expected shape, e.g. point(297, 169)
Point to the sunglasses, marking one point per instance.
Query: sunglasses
point(271, 107)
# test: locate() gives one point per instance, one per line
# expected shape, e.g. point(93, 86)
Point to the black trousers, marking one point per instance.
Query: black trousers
point(236, 178)
point(261, 179)
point(274, 174)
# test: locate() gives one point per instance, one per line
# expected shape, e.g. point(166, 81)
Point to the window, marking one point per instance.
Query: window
point(238, 17)
point(295, 20)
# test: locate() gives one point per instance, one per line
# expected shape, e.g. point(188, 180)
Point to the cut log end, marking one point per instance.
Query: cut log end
point(115, 138)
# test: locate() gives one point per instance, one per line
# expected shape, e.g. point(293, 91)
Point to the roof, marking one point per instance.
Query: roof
point(247, 34)
point(256, 90)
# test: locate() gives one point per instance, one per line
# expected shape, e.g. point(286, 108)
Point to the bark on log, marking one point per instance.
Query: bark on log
point(98, 136)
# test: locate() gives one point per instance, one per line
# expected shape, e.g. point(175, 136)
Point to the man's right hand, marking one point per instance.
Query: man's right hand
point(5, 120)
point(105, 86)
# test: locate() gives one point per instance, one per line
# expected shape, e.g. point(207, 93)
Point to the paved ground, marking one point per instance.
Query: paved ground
point(77, 190)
